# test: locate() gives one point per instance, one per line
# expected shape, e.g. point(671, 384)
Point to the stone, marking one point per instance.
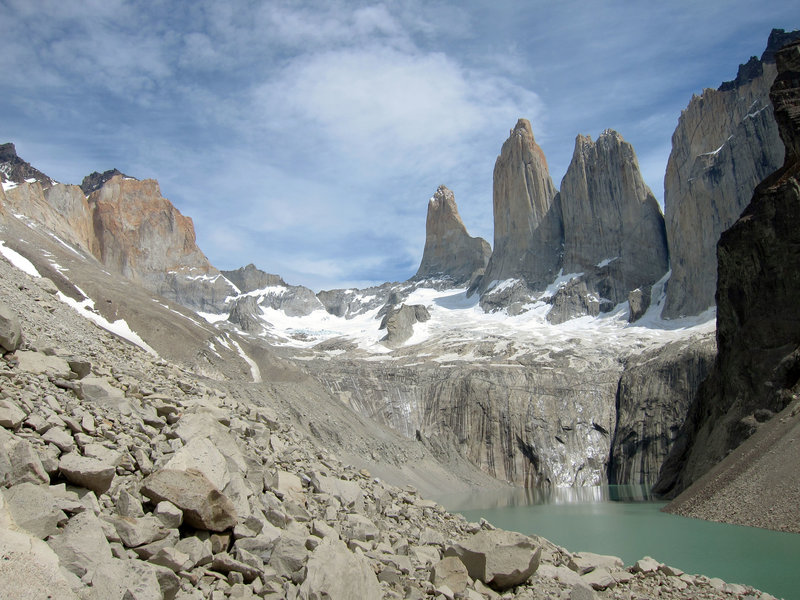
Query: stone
point(170, 515)
point(203, 505)
point(288, 555)
point(139, 531)
point(38, 363)
point(450, 252)
point(646, 565)
point(285, 484)
point(10, 330)
point(225, 563)
point(34, 509)
point(173, 559)
point(335, 573)
point(81, 545)
point(28, 564)
point(450, 571)
point(19, 461)
point(359, 527)
point(201, 454)
point(60, 438)
point(582, 591)
point(199, 551)
point(501, 559)
point(123, 580)
point(599, 579)
point(11, 415)
point(399, 323)
point(87, 472)
point(585, 562)
point(638, 303)
point(349, 493)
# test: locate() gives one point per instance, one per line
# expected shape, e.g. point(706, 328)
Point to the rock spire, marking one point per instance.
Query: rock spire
point(526, 228)
point(450, 251)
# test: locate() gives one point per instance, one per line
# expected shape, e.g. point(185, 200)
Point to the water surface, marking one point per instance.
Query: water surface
point(625, 521)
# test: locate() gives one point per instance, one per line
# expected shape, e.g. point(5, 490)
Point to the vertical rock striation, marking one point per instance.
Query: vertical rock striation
point(726, 142)
point(450, 252)
point(527, 232)
point(758, 316)
point(613, 226)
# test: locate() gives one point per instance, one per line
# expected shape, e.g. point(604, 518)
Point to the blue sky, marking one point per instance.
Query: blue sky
point(307, 137)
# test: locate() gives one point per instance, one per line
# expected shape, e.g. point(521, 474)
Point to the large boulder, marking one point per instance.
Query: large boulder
point(203, 505)
point(399, 323)
point(498, 558)
point(335, 573)
point(90, 473)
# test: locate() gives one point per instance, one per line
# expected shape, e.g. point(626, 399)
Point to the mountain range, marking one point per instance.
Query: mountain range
point(569, 352)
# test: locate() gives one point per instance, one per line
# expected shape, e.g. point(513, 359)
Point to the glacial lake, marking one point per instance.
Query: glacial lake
point(624, 521)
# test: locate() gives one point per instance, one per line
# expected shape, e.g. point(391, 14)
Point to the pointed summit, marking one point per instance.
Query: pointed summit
point(526, 236)
point(611, 218)
point(449, 250)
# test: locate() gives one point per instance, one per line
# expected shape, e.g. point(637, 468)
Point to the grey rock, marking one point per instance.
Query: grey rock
point(251, 278)
point(586, 562)
point(501, 559)
point(11, 415)
point(225, 563)
point(203, 505)
point(610, 218)
point(81, 545)
point(527, 236)
point(38, 363)
point(170, 515)
point(638, 303)
point(124, 579)
point(450, 571)
point(173, 559)
point(34, 509)
point(10, 330)
point(61, 438)
point(336, 573)
point(654, 395)
point(246, 313)
point(349, 493)
point(572, 300)
point(359, 527)
point(19, 461)
point(90, 473)
point(139, 531)
point(199, 551)
point(202, 455)
point(450, 252)
point(289, 555)
point(399, 323)
point(725, 143)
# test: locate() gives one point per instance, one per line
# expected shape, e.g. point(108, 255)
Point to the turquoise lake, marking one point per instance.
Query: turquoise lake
point(625, 522)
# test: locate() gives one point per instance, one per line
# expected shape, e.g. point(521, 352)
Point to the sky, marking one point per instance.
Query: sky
point(308, 137)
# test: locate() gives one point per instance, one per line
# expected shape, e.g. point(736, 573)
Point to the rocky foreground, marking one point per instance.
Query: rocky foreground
point(124, 476)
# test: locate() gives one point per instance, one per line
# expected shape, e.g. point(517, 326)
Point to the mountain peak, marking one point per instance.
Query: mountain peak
point(15, 170)
point(449, 250)
point(95, 180)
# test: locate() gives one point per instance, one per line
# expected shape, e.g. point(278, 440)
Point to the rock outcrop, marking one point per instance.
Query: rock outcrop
point(399, 323)
point(526, 226)
point(13, 169)
point(94, 181)
point(758, 321)
point(251, 278)
point(450, 252)
point(726, 142)
point(613, 226)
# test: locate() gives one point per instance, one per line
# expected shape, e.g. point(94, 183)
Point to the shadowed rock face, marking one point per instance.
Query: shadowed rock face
point(758, 316)
point(523, 198)
point(450, 251)
point(610, 216)
point(13, 168)
point(726, 142)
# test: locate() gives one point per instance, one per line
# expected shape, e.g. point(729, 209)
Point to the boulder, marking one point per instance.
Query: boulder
point(586, 562)
point(399, 323)
point(202, 455)
point(289, 555)
point(29, 568)
point(11, 415)
point(203, 505)
point(335, 573)
point(34, 509)
point(501, 559)
point(123, 580)
point(81, 545)
point(10, 330)
point(19, 461)
point(450, 571)
point(38, 363)
point(138, 531)
point(86, 472)
point(349, 493)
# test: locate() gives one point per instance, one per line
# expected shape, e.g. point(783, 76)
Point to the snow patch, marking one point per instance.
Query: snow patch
point(606, 261)
point(255, 372)
point(213, 317)
point(120, 327)
point(19, 261)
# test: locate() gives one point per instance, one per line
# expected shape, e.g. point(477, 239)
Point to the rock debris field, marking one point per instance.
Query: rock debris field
point(123, 476)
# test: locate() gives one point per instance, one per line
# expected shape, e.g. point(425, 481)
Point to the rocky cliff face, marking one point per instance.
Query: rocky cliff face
point(450, 252)
point(613, 227)
point(726, 142)
point(654, 395)
point(142, 236)
point(14, 169)
point(758, 321)
point(526, 234)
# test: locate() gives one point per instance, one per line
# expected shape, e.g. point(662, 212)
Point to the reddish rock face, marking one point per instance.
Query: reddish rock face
point(140, 233)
